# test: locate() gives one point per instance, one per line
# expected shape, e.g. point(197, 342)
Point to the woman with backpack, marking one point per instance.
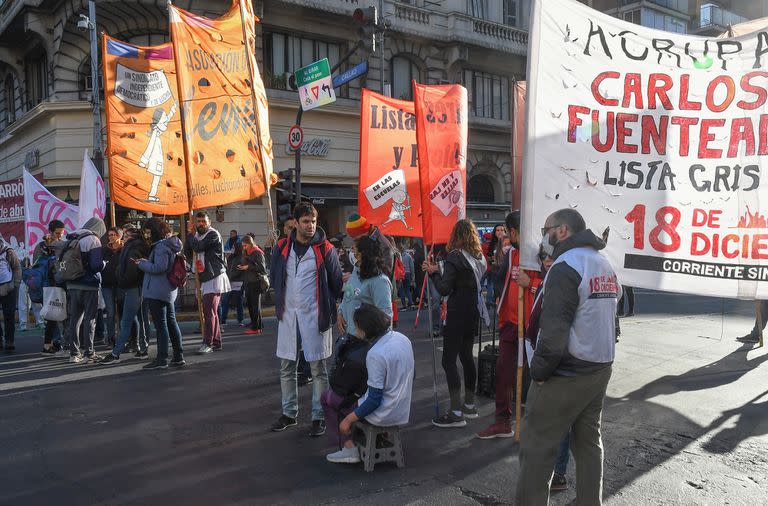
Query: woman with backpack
point(10, 279)
point(463, 269)
point(253, 266)
point(159, 294)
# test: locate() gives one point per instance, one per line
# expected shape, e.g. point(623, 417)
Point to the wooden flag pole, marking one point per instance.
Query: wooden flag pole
point(759, 314)
point(520, 350)
point(198, 287)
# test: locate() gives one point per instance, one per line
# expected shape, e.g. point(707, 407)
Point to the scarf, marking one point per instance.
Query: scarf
point(478, 268)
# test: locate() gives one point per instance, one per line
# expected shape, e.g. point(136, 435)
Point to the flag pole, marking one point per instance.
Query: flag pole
point(431, 332)
point(760, 316)
point(256, 120)
point(520, 351)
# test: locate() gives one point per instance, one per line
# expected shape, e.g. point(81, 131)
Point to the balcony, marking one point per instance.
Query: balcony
point(715, 17)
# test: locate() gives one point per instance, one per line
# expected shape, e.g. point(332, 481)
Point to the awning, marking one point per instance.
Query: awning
point(324, 193)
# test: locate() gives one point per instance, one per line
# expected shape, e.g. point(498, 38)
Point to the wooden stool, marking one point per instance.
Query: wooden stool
point(366, 436)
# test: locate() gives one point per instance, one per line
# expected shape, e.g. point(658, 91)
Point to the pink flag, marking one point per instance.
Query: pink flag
point(93, 198)
point(40, 208)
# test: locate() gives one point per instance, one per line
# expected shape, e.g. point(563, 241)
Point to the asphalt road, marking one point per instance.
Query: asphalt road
point(684, 424)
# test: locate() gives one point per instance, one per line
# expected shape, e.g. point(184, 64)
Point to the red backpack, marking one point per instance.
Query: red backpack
point(399, 269)
point(177, 276)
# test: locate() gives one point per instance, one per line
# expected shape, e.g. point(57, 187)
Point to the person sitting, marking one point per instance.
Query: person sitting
point(389, 365)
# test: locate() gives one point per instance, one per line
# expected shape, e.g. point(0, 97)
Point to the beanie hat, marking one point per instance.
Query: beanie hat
point(357, 225)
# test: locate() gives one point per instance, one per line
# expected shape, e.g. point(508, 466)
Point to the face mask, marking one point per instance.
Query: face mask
point(546, 245)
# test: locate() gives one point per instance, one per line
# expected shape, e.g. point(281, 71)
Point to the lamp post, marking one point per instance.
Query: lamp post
point(89, 23)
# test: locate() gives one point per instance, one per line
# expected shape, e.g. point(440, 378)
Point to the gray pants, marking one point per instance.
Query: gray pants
point(551, 409)
point(82, 306)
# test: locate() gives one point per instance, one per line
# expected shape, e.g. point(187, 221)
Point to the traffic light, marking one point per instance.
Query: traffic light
point(367, 18)
point(285, 195)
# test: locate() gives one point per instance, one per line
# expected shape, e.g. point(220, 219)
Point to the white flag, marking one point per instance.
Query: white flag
point(40, 208)
point(93, 198)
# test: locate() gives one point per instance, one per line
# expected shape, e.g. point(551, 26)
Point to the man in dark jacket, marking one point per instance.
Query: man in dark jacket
point(572, 362)
point(306, 276)
point(204, 242)
point(83, 292)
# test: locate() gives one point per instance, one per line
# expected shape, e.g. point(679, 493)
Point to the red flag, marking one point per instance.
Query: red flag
point(441, 134)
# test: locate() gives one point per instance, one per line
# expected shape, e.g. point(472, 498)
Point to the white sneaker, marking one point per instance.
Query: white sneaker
point(62, 353)
point(75, 359)
point(204, 348)
point(344, 456)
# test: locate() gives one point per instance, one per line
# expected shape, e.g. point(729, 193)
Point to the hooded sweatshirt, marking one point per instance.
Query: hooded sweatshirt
point(156, 285)
point(7, 254)
point(91, 254)
point(577, 333)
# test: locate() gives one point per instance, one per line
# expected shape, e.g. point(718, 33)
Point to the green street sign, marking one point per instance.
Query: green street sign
point(313, 72)
point(315, 85)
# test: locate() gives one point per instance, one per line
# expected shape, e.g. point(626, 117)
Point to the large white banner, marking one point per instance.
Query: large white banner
point(662, 137)
point(40, 208)
point(93, 198)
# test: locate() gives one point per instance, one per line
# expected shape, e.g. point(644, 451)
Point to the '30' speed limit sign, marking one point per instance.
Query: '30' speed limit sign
point(295, 137)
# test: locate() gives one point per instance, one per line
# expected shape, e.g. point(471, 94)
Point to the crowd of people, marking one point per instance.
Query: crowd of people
point(130, 276)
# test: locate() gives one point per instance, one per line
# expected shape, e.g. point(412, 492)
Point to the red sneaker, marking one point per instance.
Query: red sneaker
point(252, 332)
point(498, 429)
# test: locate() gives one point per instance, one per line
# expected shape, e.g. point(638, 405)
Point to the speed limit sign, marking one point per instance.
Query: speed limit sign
point(295, 137)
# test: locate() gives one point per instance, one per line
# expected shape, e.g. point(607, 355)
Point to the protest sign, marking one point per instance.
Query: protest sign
point(660, 137)
point(388, 194)
point(441, 133)
point(145, 147)
point(40, 208)
point(12, 213)
point(93, 198)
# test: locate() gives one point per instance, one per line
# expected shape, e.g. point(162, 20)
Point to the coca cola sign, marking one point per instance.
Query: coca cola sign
point(312, 147)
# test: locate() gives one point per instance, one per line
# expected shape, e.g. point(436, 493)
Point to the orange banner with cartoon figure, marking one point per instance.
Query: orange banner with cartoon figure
point(222, 126)
point(145, 148)
point(441, 135)
point(388, 195)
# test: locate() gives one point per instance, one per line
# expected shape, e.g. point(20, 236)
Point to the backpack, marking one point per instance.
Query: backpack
point(69, 260)
point(399, 269)
point(36, 278)
point(6, 275)
point(177, 275)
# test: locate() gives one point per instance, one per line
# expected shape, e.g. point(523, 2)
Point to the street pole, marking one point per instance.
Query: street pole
point(381, 47)
point(97, 148)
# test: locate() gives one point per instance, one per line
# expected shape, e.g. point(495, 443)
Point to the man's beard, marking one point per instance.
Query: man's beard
point(201, 230)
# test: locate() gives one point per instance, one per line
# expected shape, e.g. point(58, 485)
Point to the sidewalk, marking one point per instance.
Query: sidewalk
point(189, 316)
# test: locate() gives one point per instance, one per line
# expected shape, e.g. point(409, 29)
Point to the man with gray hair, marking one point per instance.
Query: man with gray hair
point(571, 365)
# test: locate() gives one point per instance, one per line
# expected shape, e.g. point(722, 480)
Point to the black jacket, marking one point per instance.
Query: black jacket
point(235, 259)
point(109, 274)
point(127, 272)
point(349, 377)
point(213, 248)
point(257, 265)
point(457, 282)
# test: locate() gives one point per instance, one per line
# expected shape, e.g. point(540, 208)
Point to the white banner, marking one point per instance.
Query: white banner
point(93, 198)
point(141, 89)
point(389, 185)
point(660, 136)
point(41, 208)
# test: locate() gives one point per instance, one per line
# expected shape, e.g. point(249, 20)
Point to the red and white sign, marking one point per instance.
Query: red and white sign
point(295, 137)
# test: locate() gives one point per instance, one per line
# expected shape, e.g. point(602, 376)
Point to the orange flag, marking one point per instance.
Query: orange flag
point(441, 133)
point(388, 195)
point(145, 149)
point(222, 126)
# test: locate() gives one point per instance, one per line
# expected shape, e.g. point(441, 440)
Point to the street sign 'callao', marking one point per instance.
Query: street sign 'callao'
point(295, 137)
point(315, 85)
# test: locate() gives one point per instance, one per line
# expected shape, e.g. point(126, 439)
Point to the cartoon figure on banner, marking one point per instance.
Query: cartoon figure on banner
point(401, 202)
point(153, 158)
point(447, 194)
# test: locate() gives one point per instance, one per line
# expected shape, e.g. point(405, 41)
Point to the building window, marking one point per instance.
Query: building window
point(10, 99)
point(632, 16)
point(36, 76)
point(480, 189)
point(478, 8)
point(510, 12)
point(284, 54)
point(404, 70)
point(488, 93)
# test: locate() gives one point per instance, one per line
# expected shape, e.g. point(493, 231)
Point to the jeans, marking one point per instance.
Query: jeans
point(487, 282)
point(164, 316)
point(563, 455)
point(234, 297)
point(506, 373)
point(130, 317)
point(405, 290)
point(9, 302)
point(24, 306)
point(82, 307)
point(212, 329)
point(290, 389)
point(51, 332)
point(110, 305)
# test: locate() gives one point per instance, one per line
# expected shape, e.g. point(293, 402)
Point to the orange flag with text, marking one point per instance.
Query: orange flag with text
point(441, 135)
point(144, 145)
point(388, 194)
point(225, 131)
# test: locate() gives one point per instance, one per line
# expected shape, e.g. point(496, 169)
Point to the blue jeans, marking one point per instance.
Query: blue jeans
point(110, 304)
point(563, 455)
point(131, 315)
point(164, 316)
point(405, 290)
point(82, 308)
point(290, 389)
point(235, 297)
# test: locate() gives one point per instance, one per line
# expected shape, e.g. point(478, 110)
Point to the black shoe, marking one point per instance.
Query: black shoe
point(630, 314)
point(283, 423)
point(156, 364)
point(216, 348)
point(469, 412)
point(304, 380)
point(56, 346)
point(620, 314)
point(448, 419)
point(318, 428)
point(142, 355)
point(10, 348)
point(48, 352)
point(110, 359)
point(178, 362)
point(749, 338)
point(559, 483)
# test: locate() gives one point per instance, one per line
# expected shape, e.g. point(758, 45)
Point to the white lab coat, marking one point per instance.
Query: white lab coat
point(300, 312)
